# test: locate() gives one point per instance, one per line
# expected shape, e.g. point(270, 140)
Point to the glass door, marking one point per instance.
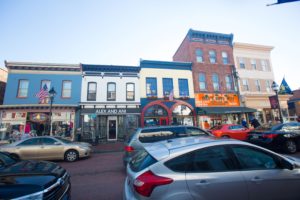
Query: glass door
point(112, 130)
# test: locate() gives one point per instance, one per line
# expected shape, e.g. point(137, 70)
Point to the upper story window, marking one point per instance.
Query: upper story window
point(212, 56)
point(111, 91)
point(46, 84)
point(215, 79)
point(245, 85)
point(242, 63)
point(92, 91)
point(264, 65)
point(183, 87)
point(66, 89)
point(151, 87)
point(229, 83)
point(202, 81)
point(130, 91)
point(167, 86)
point(225, 57)
point(23, 88)
point(253, 64)
point(257, 85)
point(199, 55)
point(268, 85)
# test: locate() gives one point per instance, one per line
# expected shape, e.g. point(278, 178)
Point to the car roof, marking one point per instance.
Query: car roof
point(160, 127)
point(163, 149)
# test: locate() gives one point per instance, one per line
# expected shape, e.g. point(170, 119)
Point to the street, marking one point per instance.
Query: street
point(99, 177)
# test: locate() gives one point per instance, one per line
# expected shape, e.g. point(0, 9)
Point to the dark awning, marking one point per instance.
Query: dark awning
point(223, 110)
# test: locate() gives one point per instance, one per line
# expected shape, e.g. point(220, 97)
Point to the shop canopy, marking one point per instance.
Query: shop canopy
point(223, 110)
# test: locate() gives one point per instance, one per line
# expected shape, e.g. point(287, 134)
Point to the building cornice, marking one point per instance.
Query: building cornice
point(239, 45)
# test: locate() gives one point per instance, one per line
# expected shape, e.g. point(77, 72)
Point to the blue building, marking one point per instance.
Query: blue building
point(24, 111)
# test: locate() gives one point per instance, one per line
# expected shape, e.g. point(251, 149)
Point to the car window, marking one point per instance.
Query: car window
point(6, 160)
point(179, 163)
point(236, 127)
point(155, 135)
point(191, 131)
point(64, 140)
point(254, 159)
point(48, 141)
point(141, 160)
point(212, 159)
point(216, 128)
point(31, 141)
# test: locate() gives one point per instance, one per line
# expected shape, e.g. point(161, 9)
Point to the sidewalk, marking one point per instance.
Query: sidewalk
point(108, 147)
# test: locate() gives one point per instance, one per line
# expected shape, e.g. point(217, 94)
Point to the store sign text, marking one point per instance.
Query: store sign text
point(111, 111)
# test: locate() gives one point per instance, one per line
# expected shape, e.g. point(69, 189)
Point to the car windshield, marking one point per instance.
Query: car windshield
point(216, 128)
point(269, 128)
point(6, 160)
point(64, 140)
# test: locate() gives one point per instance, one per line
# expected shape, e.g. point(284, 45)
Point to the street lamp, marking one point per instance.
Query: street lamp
point(52, 94)
point(275, 88)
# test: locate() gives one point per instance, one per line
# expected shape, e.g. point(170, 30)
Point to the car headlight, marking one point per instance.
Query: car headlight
point(34, 196)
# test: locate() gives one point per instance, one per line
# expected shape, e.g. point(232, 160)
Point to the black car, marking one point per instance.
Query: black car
point(285, 136)
point(24, 179)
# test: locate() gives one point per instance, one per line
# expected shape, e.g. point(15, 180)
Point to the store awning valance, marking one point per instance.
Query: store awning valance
point(223, 110)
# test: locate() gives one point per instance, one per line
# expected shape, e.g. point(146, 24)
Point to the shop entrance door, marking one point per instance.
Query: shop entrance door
point(163, 121)
point(112, 129)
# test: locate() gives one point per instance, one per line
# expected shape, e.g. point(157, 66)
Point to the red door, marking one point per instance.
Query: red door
point(163, 121)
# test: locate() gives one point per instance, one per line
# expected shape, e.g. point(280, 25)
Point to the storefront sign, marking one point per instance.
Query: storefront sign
point(213, 99)
point(38, 117)
point(110, 111)
point(13, 115)
point(274, 102)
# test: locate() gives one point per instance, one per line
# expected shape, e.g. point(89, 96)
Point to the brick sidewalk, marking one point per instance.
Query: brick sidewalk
point(108, 147)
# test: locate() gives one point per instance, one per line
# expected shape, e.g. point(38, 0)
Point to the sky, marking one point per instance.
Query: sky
point(121, 32)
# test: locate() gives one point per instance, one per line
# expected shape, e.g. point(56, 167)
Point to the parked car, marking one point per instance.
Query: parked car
point(32, 179)
point(48, 148)
point(142, 136)
point(207, 168)
point(285, 136)
point(235, 131)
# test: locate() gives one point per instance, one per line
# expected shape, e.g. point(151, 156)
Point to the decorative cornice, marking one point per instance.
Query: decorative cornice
point(166, 65)
point(210, 37)
point(109, 68)
point(240, 45)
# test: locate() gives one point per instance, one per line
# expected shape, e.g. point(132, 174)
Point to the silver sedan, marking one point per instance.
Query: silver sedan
point(211, 169)
point(48, 148)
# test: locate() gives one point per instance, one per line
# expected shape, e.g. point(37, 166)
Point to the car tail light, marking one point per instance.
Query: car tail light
point(270, 136)
point(129, 149)
point(146, 182)
point(217, 133)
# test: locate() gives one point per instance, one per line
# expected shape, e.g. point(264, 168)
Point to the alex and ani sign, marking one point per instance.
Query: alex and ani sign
point(213, 99)
point(111, 111)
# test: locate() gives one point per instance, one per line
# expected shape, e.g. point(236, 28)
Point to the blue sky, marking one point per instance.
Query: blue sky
point(121, 32)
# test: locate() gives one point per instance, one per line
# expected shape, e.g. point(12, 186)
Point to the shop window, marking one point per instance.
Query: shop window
point(229, 83)
point(167, 86)
point(23, 88)
point(183, 87)
point(225, 57)
point(212, 56)
point(151, 87)
point(155, 115)
point(182, 115)
point(215, 79)
point(130, 91)
point(199, 55)
point(66, 89)
point(111, 91)
point(202, 81)
point(92, 91)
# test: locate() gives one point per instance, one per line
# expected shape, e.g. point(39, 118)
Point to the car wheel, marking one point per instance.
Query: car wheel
point(290, 146)
point(71, 156)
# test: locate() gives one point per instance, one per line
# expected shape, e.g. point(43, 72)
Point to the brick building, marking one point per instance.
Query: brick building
point(215, 82)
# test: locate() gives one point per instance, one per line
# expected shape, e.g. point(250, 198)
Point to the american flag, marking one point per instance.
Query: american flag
point(43, 93)
point(171, 95)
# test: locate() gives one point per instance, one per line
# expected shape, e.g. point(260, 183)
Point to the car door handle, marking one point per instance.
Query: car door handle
point(202, 183)
point(256, 179)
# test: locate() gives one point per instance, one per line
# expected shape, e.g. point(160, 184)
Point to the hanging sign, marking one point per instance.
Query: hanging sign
point(38, 117)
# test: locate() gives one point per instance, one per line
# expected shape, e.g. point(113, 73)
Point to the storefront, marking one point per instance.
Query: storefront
point(164, 112)
point(108, 124)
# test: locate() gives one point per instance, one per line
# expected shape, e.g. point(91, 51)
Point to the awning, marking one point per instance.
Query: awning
point(223, 110)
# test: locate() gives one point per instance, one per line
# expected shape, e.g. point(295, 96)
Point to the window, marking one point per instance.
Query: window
point(191, 131)
point(253, 64)
point(264, 65)
point(242, 63)
point(31, 141)
point(215, 79)
point(151, 87)
point(202, 81)
point(46, 84)
point(111, 91)
point(183, 88)
point(23, 88)
point(252, 159)
point(225, 57)
point(92, 91)
point(212, 56)
point(141, 161)
point(179, 163)
point(229, 83)
point(199, 55)
point(268, 85)
point(167, 86)
point(245, 85)
point(48, 141)
point(66, 89)
point(130, 91)
point(257, 85)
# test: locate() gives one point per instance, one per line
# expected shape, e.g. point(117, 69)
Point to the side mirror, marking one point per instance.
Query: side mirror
point(287, 165)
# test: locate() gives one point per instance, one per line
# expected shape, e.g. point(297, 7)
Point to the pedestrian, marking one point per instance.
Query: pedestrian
point(244, 123)
point(255, 123)
point(206, 125)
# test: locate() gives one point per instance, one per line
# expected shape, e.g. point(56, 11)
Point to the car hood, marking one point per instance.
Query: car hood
point(84, 144)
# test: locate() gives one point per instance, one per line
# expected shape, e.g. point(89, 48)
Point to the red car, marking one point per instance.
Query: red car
point(235, 131)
